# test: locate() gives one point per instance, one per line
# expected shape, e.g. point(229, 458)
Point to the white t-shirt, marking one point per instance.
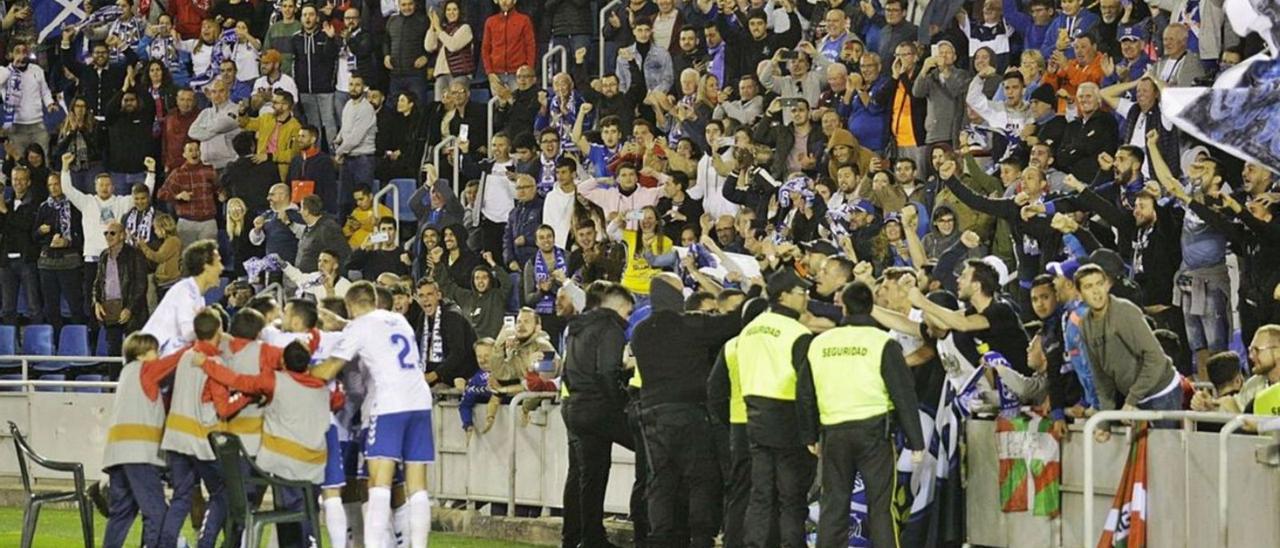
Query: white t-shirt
point(388, 352)
point(173, 322)
point(285, 83)
point(557, 213)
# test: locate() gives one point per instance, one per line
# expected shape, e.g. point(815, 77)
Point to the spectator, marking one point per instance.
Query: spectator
point(98, 209)
point(193, 190)
point(1124, 356)
point(79, 135)
point(559, 205)
point(322, 233)
point(453, 45)
point(380, 253)
point(325, 282)
point(272, 65)
point(989, 318)
point(593, 259)
point(120, 288)
point(1141, 115)
point(1178, 67)
point(279, 49)
point(249, 178)
point(943, 84)
point(867, 118)
point(508, 43)
point(401, 139)
point(1073, 21)
point(543, 168)
point(244, 54)
point(356, 143)
point(24, 111)
point(517, 108)
point(454, 110)
point(241, 90)
point(485, 305)
point(215, 127)
point(544, 272)
point(642, 243)
point(796, 145)
point(315, 68)
point(644, 62)
point(562, 111)
point(358, 57)
point(445, 337)
point(239, 233)
point(746, 109)
point(364, 218)
point(403, 52)
point(279, 228)
point(314, 165)
point(626, 196)
point(19, 250)
point(1091, 134)
point(889, 30)
point(677, 210)
point(1011, 116)
point(1067, 75)
point(162, 43)
point(907, 111)
point(165, 255)
point(99, 80)
point(434, 203)
point(458, 256)
point(177, 124)
point(800, 81)
point(130, 117)
point(524, 220)
point(59, 232)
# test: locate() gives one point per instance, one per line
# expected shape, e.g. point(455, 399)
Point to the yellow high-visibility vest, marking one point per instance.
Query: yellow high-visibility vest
point(845, 362)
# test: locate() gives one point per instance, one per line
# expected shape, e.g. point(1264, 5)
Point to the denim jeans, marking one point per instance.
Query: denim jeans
point(317, 110)
point(1171, 401)
point(19, 273)
point(356, 170)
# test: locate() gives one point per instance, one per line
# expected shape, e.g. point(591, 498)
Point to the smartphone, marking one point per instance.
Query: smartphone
point(508, 322)
point(789, 102)
point(463, 132)
point(933, 50)
point(635, 215)
point(379, 238)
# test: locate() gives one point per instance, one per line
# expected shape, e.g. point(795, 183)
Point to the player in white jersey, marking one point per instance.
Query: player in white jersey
point(172, 321)
point(398, 405)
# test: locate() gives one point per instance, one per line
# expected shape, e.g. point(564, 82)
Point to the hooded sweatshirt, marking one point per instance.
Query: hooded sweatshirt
point(675, 350)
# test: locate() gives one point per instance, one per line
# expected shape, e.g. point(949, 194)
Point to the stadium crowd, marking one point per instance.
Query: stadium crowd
point(753, 195)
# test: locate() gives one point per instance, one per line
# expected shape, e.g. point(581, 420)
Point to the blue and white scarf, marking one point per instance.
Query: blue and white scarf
point(547, 303)
point(563, 121)
point(221, 50)
point(12, 95)
point(432, 340)
point(129, 31)
point(63, 207)
point(677, 128)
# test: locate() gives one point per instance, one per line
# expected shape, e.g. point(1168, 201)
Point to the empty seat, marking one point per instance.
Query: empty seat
point(406, 188)
point(74, 342)
point(8, 345)
point(51, 377)
point(89, 389)
point(11, 377)
point(37, 340)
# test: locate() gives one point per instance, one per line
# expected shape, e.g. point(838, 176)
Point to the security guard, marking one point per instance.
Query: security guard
point(849, 381)
point(781, 469)
point(729, 413)
point(672, 348)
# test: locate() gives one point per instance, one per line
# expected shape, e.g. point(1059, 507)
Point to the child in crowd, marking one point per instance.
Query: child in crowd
point(476, 391)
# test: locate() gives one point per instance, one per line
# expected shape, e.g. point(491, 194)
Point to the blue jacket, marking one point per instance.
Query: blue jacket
point(280, 238)
point(1085, 20)
point(524, 220)
point(870, 123)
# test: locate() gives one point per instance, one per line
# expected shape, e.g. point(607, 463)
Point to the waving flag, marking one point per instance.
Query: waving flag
point(52, 15)
point(1127, 521)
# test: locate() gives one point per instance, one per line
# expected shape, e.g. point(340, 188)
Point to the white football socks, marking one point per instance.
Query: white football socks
point(335, 521)
point(400, 525)
point(355, 524)
point(377, 515)
point(419, 519)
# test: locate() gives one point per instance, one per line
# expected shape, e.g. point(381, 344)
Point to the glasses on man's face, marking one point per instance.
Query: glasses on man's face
point(109, 233)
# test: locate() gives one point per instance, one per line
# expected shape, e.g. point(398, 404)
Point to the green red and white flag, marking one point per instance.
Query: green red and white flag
point(1030, 469)
point(1126, 525)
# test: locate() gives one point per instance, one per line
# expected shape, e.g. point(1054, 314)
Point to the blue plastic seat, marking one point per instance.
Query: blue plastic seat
point(51, 377)
point(406, 188)
point(37, 340)
point(74, 342)
point(89, 389)
point(11, 377)
point(8, 344)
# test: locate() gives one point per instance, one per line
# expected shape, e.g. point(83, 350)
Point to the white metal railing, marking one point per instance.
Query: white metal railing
point(491, 109)
point(273, 289)
point(1091, 426)
point(435, 159)
point(514, 406)
point(600, 31)
point(1224, 471)
point(546, 63)
point(395, 204)
point(26, 383)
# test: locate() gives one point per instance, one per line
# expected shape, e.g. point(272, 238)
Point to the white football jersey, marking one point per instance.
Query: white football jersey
point(388, 353)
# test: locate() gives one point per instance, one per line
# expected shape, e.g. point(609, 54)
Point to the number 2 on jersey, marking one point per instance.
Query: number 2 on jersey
point(405, 349)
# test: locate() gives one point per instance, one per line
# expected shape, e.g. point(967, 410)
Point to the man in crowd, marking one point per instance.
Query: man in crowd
point(315, 66)
point(120, 288)
point(192, 190)
point(354, 147)
point(216, 126)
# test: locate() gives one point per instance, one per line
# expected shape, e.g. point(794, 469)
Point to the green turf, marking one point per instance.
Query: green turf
point(61, 528)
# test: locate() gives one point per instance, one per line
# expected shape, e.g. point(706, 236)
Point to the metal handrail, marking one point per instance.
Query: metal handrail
point(1224, 471)
point(395, 204)
point(491, 108)
point(273, 287)
point(514, 406)
point(546, 65)
point(600, 32)
point(26, 383)
point(1091, 426)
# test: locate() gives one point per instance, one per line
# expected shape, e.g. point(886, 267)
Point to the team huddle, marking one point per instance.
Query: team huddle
point(333, 397)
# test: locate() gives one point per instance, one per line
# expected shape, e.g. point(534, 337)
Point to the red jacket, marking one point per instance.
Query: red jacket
point(187, 15)
point(509, 43)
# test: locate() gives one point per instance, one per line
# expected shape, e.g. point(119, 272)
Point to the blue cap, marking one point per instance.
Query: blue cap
point(1066, 269)
point(865, 206)
point(1132, 33)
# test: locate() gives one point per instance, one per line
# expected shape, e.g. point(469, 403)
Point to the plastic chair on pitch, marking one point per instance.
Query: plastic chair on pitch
point(406, 189)
point(230, 455)
point(35, 500)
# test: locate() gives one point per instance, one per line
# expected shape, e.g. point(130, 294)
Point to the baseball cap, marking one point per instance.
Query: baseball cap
point(1133, 33)
point(785, 280)
point(1066, 269)
point(865, 206)
point(893, 217)
point(1045, 94)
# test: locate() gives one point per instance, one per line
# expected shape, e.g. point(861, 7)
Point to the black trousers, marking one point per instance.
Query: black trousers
point(684, 476)
point(597, 429)
point(491, 235)
point(845, 452)
point(736, 472)
point(571, 531)
point(640, 485)
point(780, 481)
